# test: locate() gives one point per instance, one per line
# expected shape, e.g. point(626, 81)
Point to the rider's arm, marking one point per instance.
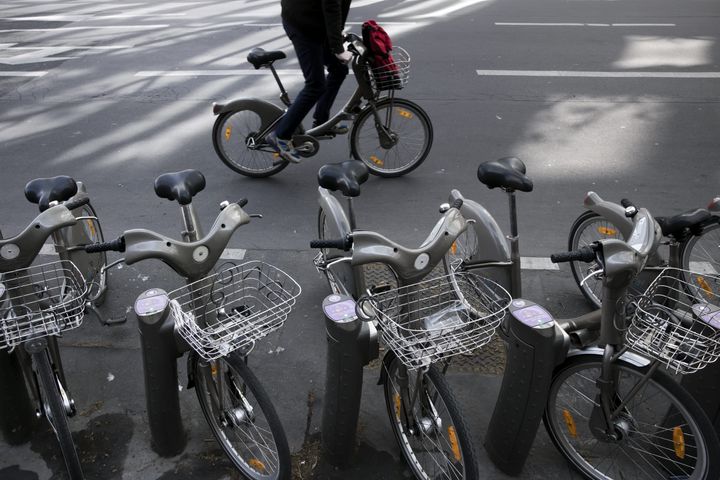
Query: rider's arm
point(334, 15)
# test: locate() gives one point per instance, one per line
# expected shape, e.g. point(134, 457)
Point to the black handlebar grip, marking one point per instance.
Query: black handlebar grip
point(626, 203)
point(117, 245)
point(583, 254)
point(457, 203)
point(340, 244)
point(78, 202)
point(242, 202)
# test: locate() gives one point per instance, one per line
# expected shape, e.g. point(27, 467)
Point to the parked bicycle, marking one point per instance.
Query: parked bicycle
point(38, 302)
point(692, 237)
point(424, 320)
point(391, 135)
point(218, 317)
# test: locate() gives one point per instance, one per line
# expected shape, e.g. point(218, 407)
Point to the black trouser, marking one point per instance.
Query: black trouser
point(313, 55)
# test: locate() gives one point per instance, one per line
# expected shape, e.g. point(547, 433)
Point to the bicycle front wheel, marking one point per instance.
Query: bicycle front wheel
point(237, 138)
point(94, 262)
point(661, 433)
point(242, 418)
point(54, 401)
point(587, 228)
point(701, 254)
point(393, 138)
point(428, 424)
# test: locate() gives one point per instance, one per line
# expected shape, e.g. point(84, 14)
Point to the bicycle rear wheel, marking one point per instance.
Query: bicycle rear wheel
point(701, 254)
point(54, 401)
point(245, 425)
point(395, 142)
point(235, 137)
point(586, 229)
point(432, 433)
point(662, 432)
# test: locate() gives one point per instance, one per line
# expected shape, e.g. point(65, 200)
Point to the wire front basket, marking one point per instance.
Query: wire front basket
point(234, 308)
point(440, 317)
point(391, 74)
point(39, 301)
point(677, 320)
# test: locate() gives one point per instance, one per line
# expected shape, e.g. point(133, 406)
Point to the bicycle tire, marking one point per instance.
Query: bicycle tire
point(55, 412)
point(702, 254)
point(17, 415)
point(587, 228)
point(572, 438)
point(376, 156)
point(241, 377)
point(230, 134)
point(463, 250)
point(461, 448)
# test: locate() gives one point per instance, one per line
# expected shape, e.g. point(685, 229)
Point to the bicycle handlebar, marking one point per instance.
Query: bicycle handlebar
point(77, 203)
point(457, 203)
point(584, 254)
point(340, 244)
point(117, 245)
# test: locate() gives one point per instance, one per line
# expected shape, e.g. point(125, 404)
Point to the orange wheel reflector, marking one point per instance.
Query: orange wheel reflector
point(453, 248)
point(607, 231)
point(213, 369)
point(91, 228)
point(679, 442)
point(396, 400)
point(704, 285)
point(228, 132)
point(257, 465)
point(376, 160)
point(452, 436)
point(405, 113)
point(570, 422)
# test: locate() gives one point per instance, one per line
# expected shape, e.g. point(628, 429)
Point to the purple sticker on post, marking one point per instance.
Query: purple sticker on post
point(533, 316)
point(708, 313)
point(340, 311)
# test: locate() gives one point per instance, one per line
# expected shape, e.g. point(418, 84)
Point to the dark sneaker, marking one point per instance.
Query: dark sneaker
point(284, 148)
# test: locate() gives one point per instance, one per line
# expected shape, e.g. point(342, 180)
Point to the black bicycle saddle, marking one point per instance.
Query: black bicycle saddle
point(45, 190)
point(345, 176)
point(260, 58)
point(181, 186)
point(507, 173)
point(678, 223)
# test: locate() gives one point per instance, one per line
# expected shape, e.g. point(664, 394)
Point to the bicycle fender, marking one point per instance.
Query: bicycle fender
point(334, 214)
point(630, 357)
point(192, 260)
point(268, 111)
point(492, 244)
point(386, 361)
point(610, 211)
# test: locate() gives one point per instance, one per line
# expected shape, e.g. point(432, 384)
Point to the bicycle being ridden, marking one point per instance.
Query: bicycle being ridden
point(391, 136)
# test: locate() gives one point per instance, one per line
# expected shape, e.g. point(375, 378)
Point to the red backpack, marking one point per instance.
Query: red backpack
point(383, 66)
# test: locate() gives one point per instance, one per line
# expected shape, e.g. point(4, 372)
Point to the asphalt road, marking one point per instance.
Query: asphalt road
point(616, 97)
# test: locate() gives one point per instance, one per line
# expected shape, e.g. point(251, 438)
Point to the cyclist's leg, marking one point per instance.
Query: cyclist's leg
point(337, 71)
point(310, 56)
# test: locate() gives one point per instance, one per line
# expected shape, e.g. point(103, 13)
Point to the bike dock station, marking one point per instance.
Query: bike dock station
point(351, 344)
point(160, 353)
point(535, 346)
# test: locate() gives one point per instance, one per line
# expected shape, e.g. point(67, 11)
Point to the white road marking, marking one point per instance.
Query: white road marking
point(573, 24)
point(233, 254)
point(537, 263)
point(10, 46)
point(81, 17)
point(572, 73)
point(97, 27)
point(22, 74)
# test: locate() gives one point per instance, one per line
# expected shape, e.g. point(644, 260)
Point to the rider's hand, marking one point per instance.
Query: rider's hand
point(344, 57)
